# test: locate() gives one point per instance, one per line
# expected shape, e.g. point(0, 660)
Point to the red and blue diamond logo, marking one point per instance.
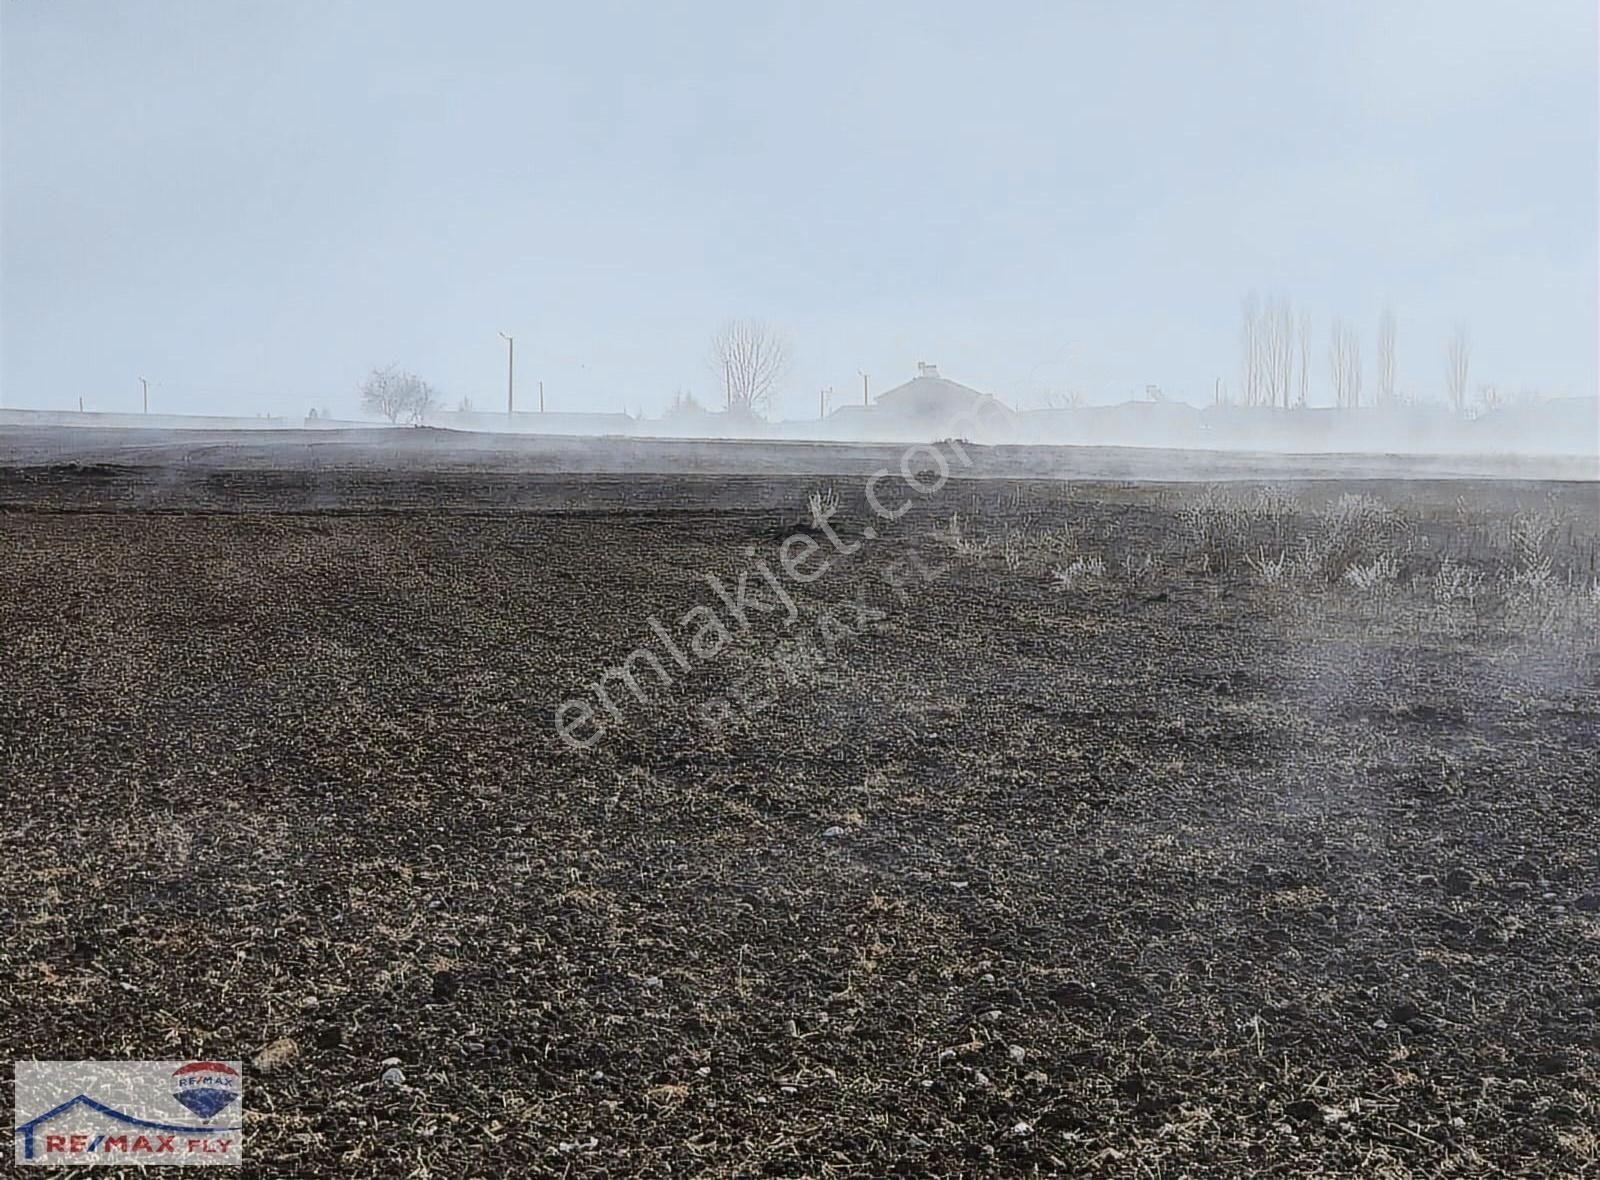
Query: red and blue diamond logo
point(206, 1087)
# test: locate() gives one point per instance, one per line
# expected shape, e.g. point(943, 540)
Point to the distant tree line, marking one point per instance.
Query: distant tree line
point(1276, 355)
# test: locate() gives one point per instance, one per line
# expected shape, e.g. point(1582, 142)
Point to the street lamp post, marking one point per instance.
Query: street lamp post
point(511, 371)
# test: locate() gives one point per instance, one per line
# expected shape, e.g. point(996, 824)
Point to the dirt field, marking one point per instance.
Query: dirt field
point(1069, 829)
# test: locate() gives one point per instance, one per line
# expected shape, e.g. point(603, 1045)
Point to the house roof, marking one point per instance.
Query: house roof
point(932, 396)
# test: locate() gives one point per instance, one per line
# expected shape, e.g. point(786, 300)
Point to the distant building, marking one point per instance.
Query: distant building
point(932, 407)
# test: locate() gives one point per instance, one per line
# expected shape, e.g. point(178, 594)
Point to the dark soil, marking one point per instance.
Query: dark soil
point(1162, 875)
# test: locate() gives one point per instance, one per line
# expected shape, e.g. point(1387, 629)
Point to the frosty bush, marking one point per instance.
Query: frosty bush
point(1269, 571)
point(1452, 582)
point(1139, 569)
point(1356, 530)
point(1068, 576)
point(824, 504)
point(1374, 577)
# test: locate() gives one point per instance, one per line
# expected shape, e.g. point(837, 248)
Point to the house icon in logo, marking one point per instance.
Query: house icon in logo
point(28, 1129)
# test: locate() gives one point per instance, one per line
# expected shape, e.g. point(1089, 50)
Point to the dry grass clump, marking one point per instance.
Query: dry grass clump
point(1356, 540)
point(1067, 577)
point(1450, 583)
point(1526, 571)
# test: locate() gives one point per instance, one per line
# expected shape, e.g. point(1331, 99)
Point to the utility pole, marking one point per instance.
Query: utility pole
point(864, 399)
point(146, 387)
point(541, 397)
point(511, 372)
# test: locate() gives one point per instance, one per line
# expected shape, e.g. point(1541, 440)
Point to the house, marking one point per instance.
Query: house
point(928, 408)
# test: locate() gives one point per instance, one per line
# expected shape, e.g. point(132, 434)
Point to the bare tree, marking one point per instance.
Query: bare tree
point(1344, 363)
point(394, 393)
point(1251, 342)
point(381, 394)
point(1305, 355)
point(424, 399)
point(1458, 358)
point(1270, 352)
point(750, 358)
point(1353, 378)
point(1280, 349)
point(1267, 338)
point(1387, 330)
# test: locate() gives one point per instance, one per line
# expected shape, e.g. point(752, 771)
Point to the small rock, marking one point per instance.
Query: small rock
point(946, 1055)
point(986, 977)
point(1405, 1012)
point(703, 1072)
point(275, 1055)
point(833, 833)
point(1022, 1129)
point(791, 1029)
point(1017, 1053)
point(394, 1076)
point(1303, 1110)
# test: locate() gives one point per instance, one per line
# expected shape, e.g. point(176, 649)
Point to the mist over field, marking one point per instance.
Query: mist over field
point(805, 590)
point(1096, 216)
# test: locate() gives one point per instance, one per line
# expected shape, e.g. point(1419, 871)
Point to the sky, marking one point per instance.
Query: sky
point(252, 205)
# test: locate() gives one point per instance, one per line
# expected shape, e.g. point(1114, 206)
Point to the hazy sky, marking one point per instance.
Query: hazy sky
point(253, 204)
